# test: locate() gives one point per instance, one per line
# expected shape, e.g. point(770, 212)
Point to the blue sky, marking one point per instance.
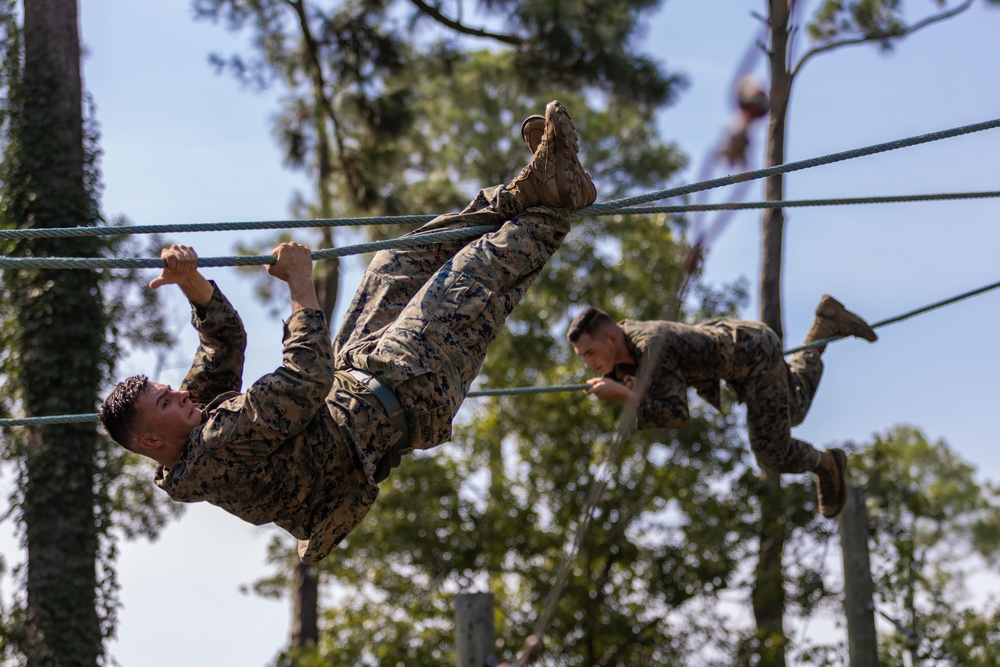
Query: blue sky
point(182, 144)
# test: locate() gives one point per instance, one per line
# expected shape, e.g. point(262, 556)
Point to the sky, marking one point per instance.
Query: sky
point(182, 144)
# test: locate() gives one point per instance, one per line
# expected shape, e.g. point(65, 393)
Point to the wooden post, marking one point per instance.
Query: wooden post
point(858, 604)
point(474, 638)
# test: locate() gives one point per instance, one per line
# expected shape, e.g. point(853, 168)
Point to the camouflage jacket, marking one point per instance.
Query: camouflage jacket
point(298, 448)
point(697, 356)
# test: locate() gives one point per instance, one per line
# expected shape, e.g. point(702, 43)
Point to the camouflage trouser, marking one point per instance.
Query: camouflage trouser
point(422, 318)
point(778, 396)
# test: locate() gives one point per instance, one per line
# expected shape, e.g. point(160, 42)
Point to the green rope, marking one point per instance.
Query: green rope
point(516, 391)
point(800, 203)
point(904, 316)
point(613, 206)
point(411, 241)
point(72, 232)
point(85, 418)
point(788, 167)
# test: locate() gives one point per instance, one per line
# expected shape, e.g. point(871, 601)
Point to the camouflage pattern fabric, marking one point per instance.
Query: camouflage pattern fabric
point(302, 447)
point(749, 357)
point(422, 319)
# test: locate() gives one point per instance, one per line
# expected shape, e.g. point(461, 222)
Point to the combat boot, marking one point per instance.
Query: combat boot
point(833, 319)
point(554, 177)
point(532, 130)
point(831, 482)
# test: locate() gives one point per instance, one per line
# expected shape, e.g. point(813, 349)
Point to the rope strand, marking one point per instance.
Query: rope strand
point(562, 388)
point(613, 206)
point(305, 223)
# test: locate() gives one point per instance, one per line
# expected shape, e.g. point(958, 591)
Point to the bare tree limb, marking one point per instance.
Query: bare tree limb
point(458, 26)
point(861, 40)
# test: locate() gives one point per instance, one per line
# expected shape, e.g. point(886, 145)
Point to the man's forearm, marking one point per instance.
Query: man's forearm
point(197, 289)
point(302, 294)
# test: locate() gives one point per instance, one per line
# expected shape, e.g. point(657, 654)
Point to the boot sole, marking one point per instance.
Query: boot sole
point(840, 458)
point(835, 311)
point(570, 174)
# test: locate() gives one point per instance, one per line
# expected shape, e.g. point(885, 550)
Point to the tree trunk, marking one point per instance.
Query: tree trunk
point(60, 325)
point(862, 640)
point(305, 606)
point(768, 598)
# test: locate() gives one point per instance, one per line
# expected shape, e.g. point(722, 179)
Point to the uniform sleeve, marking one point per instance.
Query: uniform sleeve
point(218, 364)
point(280, 404)
point(664, 404)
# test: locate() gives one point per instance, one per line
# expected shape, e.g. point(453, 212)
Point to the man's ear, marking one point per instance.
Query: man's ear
point(149, 441)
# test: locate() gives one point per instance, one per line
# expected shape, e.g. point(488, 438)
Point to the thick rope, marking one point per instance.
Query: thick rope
point(515, 391)
point(411, 241)
point(613, 206)
point(801, 203)
point(904, 316)
point(92, 417)
point(69, 232)
point(73, 232)
point(786, 168)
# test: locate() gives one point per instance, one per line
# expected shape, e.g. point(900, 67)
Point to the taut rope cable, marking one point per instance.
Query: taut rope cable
point(69, 232)
point(801, 203)
point(787, 167)
point(412, 241)
point(72, 232)
point(904, 316)
point(616, 205)
point(512, 391)
point(92, 417)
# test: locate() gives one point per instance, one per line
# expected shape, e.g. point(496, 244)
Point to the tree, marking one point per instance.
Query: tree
point(930, 521)
point(74, 494)
point(836, 24)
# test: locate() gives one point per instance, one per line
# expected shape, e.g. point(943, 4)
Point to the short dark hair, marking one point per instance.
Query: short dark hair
point(590, 321)
point(118, 414)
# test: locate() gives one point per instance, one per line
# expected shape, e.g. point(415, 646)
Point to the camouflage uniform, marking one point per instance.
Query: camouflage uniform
point(749, 357)
point(306, 446)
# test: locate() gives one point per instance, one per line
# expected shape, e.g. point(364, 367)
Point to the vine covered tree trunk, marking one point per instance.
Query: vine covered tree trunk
point(59, 320)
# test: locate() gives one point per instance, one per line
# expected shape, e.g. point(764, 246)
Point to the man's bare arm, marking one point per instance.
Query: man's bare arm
point(294, 266)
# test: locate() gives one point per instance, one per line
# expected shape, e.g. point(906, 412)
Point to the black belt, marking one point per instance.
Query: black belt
point(393, 408)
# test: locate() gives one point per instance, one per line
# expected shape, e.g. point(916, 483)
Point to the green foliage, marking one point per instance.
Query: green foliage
point(930, 519)
point(356, 110)
point(839, 22)
point(872, 19)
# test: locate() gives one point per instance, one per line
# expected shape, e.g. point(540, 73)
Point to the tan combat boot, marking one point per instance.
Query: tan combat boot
point(532, 129)
point(833, 319)
point(555, 177)
point(831, 482)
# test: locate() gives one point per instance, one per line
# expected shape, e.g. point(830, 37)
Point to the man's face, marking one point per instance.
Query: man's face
point(167, 413)
point(599, 351)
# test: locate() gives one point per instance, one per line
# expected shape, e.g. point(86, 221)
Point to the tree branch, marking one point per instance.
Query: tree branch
point(458, 26)
point(860, 40)
point(323, 104)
